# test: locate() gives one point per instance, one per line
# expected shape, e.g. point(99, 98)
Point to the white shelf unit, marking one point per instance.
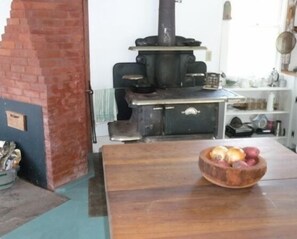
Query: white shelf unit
point(284, 98)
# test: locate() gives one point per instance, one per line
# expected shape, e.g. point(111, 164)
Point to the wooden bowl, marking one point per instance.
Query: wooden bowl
point(230, 177)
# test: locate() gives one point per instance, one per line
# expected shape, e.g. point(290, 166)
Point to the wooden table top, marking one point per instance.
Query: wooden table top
point(155, 190)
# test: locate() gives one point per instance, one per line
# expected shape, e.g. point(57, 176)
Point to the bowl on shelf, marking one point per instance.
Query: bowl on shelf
point(230, 82)
point(228, 176)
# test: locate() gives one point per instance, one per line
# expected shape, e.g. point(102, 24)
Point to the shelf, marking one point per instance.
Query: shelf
point(259, 89)
point(256, 112)
point(262, 136)
point(268, 136)
point(285, 100)
point(166, 48)
point(290, 73)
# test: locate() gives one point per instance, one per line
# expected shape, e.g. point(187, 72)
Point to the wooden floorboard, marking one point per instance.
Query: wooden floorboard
point(97, 199)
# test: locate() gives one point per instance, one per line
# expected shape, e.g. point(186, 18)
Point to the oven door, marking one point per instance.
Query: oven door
point(191, 119)
point(150, 119)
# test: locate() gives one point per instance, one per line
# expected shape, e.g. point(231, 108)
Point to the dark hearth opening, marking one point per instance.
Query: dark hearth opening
point(30, 141)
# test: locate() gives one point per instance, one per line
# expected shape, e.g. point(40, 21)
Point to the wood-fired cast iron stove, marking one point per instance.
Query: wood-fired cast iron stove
point(162, 94)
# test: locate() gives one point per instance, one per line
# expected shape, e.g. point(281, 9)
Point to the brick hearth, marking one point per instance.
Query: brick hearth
point(43, 62)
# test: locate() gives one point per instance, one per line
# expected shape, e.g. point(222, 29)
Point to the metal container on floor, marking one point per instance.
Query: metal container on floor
point(7, 178)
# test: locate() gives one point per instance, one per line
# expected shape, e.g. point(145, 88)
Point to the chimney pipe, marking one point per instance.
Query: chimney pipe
point(166, 28)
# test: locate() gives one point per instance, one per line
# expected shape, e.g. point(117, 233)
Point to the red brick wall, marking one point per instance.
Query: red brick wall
point(42, 61)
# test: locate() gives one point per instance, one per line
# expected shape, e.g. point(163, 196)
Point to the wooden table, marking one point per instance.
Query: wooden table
point(156, 190)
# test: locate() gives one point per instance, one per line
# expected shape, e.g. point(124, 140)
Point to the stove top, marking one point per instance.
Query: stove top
point(182, 96)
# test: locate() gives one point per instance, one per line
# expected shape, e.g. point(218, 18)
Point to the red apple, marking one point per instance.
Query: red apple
point(223, 163)
point(251, 152)
point(239, 164)
point(251, 161)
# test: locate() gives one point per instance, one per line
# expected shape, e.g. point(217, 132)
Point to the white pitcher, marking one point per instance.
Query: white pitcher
point(270, 101)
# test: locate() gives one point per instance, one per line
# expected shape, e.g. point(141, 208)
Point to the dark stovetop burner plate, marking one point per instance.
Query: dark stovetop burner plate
point(144, 89)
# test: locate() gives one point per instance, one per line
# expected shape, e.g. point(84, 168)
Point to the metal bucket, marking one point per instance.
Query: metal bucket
point(7, 178)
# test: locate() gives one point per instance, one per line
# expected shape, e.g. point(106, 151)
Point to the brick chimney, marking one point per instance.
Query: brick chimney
point(43, 61)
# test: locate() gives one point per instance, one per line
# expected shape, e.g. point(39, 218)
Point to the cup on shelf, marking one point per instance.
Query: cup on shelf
point(282, 82)
point(244, 83)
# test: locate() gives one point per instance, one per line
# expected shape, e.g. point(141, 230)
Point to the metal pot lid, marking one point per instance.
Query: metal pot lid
point(285, 42)
point(132, 77)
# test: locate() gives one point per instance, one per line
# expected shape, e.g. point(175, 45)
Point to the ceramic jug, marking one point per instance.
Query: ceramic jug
point(270, 101)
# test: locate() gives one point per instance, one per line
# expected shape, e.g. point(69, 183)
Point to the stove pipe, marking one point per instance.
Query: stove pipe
point(166, 28)
point(167, 63)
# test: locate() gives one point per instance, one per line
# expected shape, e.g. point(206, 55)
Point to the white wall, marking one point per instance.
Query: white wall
point(115, 24)
point(4, 14)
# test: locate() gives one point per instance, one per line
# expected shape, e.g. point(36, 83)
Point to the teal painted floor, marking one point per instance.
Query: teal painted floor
point(67, 221)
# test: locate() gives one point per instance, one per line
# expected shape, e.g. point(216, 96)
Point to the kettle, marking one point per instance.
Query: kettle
point(270, 101)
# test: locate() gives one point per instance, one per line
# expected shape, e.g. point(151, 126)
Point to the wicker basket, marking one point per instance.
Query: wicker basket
point(7, 178)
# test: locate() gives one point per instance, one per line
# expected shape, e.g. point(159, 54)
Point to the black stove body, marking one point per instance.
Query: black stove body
point(161, 95)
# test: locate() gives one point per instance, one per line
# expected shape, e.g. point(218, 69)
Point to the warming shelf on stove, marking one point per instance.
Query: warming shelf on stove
point(166, 48)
